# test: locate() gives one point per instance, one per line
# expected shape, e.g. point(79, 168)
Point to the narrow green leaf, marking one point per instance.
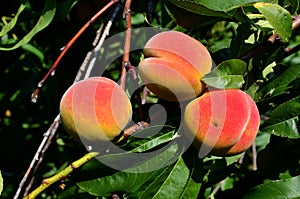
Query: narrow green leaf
point(1, 183)
point(34, 50)
point(284, 119)
point(7, 27)
point(278, 17)
point(278, 189)
point(228, 74)
point(44, 20)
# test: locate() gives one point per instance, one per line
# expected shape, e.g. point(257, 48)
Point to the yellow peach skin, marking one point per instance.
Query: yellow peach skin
point(174, 65)
point(95, 109)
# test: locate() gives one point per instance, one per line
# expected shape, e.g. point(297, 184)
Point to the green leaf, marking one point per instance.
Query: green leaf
point(197, 7)
point(278, 17)
point(145, 140)
point(284, 119)
point(279, 84)
point(34, 50)
point(197, 173)
point(44, 20)
point(1, 183)
point(7, 27)
point(169, 183)
point(216, 8)
point(220, 5)
point(283, 189)
point(228, 74)
point(137, 175)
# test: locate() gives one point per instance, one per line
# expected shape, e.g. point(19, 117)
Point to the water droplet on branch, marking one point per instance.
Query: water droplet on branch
point(40, 84)
point(34, 97)
point(53, 73)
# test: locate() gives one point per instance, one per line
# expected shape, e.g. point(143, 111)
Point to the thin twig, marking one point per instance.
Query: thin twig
point(90, 60)
point(216, 189)
point(254, 156)
point(66, 48)
point(125, 62)
point(39, 154)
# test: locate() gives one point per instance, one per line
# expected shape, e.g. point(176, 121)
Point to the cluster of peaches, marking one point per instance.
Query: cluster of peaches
point(225, 121)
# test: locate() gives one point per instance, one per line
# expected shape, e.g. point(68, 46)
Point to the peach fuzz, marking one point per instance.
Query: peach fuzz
point(250, 133)
point(174, 65)
point(95, 109)
point(216, 120)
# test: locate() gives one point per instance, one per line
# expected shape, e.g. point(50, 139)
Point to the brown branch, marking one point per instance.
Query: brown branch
point(126, 62)
point(35, 94)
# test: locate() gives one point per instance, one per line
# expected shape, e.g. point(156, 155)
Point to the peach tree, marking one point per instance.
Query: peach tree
point(150, 99)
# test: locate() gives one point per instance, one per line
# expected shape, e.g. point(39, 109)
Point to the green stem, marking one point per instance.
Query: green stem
point(61, 175)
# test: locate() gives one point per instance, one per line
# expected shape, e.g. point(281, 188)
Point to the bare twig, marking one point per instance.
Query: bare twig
point(126, 63)
point(254, 155)
point(39, 154)
point(66, 48)
point(216, 189)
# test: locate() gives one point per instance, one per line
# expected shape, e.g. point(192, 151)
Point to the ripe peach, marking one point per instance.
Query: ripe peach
point(217, 120)
point(95, 109)
point(174, 66)
point(250, 133)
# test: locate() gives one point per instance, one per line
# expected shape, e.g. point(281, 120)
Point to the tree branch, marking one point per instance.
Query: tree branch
point(61, 175)
point(126, 62)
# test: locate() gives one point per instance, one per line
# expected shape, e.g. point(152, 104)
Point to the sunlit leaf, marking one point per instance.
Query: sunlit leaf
point(7, 27)
point(44, 20)
point(278, 17)
point(229, 74)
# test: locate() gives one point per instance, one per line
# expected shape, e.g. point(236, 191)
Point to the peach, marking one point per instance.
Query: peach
point(217, 120)
point(95, 109)
point(250, 133)
point(174, 65)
